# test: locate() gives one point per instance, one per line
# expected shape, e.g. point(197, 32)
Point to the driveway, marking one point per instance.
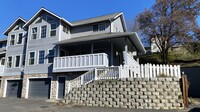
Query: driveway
point(31, 105)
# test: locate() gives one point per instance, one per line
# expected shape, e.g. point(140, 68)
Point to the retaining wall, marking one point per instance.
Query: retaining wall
point(142, 93)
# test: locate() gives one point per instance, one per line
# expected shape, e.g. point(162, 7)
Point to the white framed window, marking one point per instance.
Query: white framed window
point(9, 62)
point(41, 57)
point(12, 40)
point(43, 31)
point(34, 33)
point(17, 60)
point(19, 39)
point(31, 60)
point(66, 29)
point(99, 27)
point(51, 55)
point(53, 29)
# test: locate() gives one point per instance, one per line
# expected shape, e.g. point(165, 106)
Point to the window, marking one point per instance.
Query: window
point(31, 58)
point(65, 29)
point(102, 27)
point(3, 61)
point(95, 28)
point(17, 61)
point(34, 33)
point(20, 36)
point(44, 31)
point(12, 40)
point(9, 62)
point(99, 27)
point(41, 57)
point(53, 30)
point(50, 19)
point(51, 56)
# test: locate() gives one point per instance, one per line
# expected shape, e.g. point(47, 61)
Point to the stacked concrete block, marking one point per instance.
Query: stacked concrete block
point(142, 93)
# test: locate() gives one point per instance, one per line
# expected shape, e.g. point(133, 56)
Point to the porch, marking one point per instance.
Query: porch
point(84, 56)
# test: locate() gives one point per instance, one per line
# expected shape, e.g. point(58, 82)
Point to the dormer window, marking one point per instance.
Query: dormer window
point(34, 33)
point(12, 40)
point(99, 27)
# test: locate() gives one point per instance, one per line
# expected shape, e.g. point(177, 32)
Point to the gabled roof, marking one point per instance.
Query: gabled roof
point(97, 19)
point(13, 25)
point(49, 12)
point(132, 35)
point(101, 18)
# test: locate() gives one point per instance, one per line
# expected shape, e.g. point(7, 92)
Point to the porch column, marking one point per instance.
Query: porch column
point(92, 47)
point(111, 55)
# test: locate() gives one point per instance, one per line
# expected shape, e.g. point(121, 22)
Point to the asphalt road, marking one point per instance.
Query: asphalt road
point(31, 105)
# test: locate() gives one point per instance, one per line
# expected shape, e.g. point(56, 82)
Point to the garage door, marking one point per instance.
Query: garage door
point(14, 88)
point(39, 88)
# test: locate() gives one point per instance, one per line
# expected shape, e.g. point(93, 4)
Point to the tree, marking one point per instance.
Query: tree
point(169, 22)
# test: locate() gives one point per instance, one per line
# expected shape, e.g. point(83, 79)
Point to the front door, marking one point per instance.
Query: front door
point(61, 87)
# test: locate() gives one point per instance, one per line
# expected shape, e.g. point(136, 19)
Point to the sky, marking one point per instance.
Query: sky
point(71, 10)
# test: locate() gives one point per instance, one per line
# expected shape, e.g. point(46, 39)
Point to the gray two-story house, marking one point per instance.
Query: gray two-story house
point(46, 52)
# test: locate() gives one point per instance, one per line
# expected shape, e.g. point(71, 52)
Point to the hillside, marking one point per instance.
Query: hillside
point(178, 56)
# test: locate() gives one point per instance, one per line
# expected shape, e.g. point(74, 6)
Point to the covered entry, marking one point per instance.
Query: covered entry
point(39, 88)
point(14, 88)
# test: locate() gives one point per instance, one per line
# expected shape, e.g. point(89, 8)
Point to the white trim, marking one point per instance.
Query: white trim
point(34, 33)
point(43, 9)
point(5, 86)
point(58, 85)
point(40, 33)
point(34, 58)
point(18, 38)
point(11, 38)
point(38, 55)
point(60, 31)
point(19, 18)
point(54, 29)
point(28, 80)
point(20, 56)
point(7, 62)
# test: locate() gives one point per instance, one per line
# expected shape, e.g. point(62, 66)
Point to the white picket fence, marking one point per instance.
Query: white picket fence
point(152, 70)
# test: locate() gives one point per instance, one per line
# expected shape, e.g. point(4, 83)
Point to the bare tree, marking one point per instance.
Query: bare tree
point(169, 22)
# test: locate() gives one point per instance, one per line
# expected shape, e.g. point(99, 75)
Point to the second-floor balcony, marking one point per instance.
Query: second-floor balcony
point(80, 62)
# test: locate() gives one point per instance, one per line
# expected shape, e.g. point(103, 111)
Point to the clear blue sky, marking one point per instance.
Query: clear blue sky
point(71, 10)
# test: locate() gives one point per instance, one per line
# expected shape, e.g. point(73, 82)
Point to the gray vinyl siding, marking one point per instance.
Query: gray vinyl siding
point(85, 30)
point(117, 23)
point(64, 35)
point(13, 51)
point(41, 44)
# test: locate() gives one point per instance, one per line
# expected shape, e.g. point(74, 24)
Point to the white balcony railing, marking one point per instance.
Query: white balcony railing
point(80, 61)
